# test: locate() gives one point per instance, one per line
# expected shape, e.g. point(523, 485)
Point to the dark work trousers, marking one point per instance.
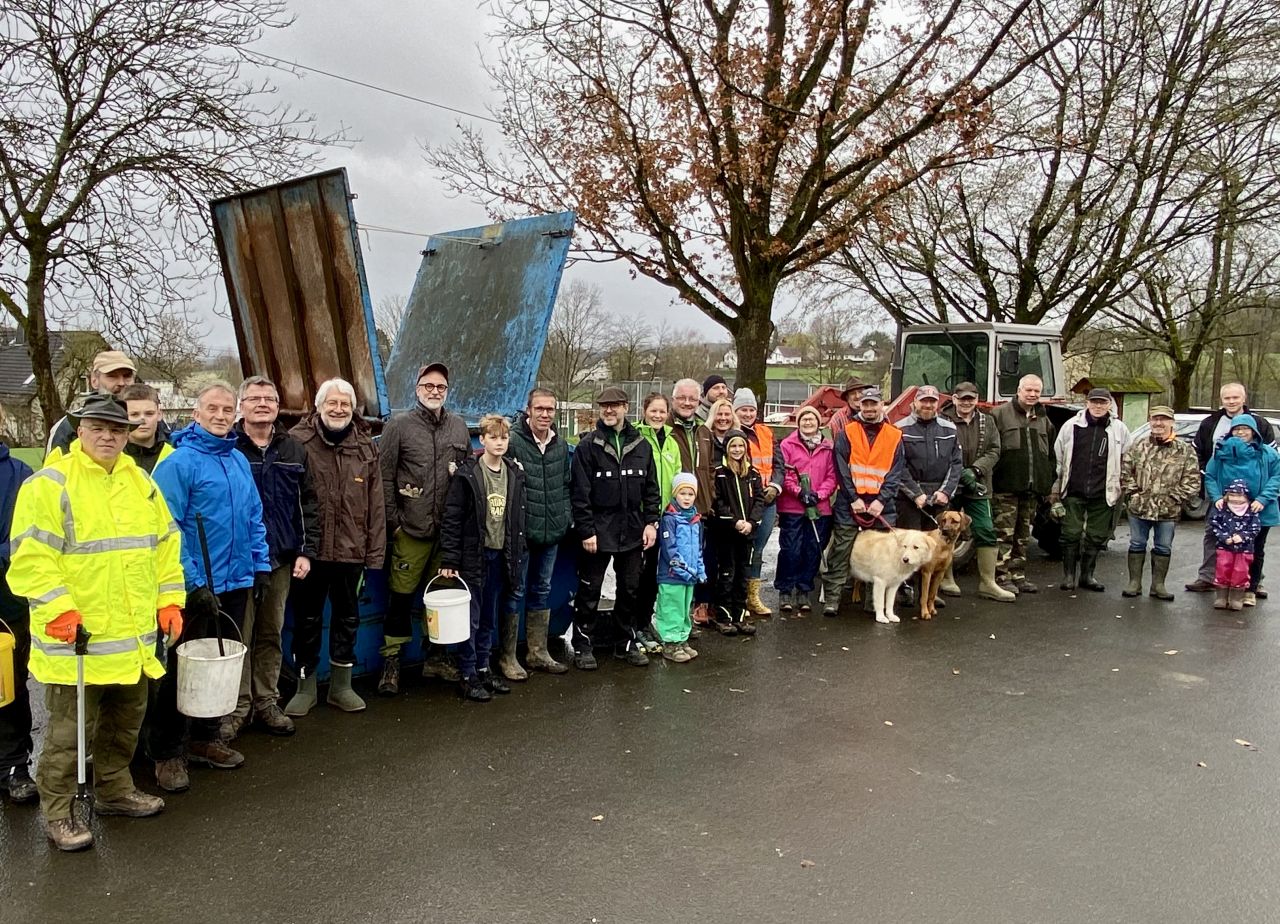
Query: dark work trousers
point(800, 545)
point(587, 624)
point(486, 599)
point(733, 567)
point(647, 596)
point(1259, 554)
point(15, 718)
point(167, 728)
point(337, 583)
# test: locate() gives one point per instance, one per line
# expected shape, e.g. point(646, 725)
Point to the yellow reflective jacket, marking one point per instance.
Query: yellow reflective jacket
point(102, 543)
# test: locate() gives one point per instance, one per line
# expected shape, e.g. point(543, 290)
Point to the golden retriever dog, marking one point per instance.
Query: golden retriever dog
point(942, 544)
point(885, 560)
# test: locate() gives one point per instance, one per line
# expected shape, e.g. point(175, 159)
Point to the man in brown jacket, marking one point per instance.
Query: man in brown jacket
point(343, 464)
point(420, 449)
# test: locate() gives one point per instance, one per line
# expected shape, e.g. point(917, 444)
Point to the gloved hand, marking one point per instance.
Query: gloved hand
point(261, 582)
point(202, 604)
point(64, 627)
point(170, 620)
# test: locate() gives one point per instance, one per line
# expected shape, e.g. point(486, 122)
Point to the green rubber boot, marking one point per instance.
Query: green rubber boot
point(1159, 571)
point(305, 699)
point(1137, 561)
point(340, 692)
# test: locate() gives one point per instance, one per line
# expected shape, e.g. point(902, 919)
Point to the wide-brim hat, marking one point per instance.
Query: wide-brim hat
point(854, 384)
point(107, 408)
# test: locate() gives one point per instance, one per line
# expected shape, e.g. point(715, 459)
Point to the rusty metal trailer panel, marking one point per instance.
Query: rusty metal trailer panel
point(481, 304)
point(296, 283)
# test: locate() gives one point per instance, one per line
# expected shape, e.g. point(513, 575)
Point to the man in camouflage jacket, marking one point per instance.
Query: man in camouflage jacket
point(1157, 476)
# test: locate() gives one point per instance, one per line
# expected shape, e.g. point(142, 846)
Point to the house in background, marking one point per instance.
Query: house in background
point(71, 352)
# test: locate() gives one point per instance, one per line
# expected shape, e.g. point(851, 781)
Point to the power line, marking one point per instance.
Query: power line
point(281, 62)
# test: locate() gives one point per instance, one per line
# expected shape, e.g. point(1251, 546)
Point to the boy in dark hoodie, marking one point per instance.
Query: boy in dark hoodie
point(738, 507)
point(482, 541)
point(679, 567)
point(1235, 526)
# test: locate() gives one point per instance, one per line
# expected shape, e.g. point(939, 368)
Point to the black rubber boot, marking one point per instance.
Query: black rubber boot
point(1089, 561)
point(1070, 557)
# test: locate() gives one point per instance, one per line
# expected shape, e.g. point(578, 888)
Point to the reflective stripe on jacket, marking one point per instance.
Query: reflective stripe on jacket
point(102, 543)
point(870, 464)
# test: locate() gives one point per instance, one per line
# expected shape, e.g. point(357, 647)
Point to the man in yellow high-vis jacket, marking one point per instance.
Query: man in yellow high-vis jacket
point(95, 546)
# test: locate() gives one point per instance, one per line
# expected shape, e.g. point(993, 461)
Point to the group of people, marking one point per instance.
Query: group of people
point(132, 539)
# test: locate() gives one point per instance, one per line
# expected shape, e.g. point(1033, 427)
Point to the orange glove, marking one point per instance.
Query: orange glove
point(64, 627)
point(170, 619)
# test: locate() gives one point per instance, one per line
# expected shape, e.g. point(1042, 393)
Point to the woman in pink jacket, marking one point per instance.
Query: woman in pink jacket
point(807, 462)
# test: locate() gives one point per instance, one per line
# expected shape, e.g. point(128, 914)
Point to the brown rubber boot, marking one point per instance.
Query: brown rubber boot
point(509, 635)
point(536, 623)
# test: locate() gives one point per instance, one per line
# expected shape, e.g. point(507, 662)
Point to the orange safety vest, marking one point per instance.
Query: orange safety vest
point(762, 451)
point(870, 463)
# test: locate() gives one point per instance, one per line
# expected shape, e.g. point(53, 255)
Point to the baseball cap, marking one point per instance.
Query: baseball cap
point(111, 360)
point(927, 391)
point(871, 394)
point(433, 367)
point(965, 389)
point(1161, 410)
point(1098, 394)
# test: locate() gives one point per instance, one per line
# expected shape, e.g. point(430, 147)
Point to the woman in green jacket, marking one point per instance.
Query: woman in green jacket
point(666, 456)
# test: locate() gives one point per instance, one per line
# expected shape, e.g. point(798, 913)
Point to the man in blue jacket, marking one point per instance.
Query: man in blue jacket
point(15, 718)
point(206, 476)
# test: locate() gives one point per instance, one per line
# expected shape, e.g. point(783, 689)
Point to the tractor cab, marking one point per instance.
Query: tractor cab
point(992, 356)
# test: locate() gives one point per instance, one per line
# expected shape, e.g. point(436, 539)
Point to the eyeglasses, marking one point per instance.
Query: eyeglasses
point(260, 399)
point(428, 387)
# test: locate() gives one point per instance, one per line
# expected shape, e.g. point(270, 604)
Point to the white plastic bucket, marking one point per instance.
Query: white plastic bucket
point(209, 683)
point(448, 613)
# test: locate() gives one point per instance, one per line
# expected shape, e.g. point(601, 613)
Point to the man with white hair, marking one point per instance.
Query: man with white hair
point(342, 464)
point(1023, 476)
point(210, 490)
point(694, 440)
point(420, 449)
point(1213, 430)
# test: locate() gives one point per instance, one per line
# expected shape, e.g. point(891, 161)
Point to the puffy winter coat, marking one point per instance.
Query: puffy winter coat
point(819, 465)
point(207, 475)
point(288, 497)
point(13, 472)
point(419, 451)
point(1204, 439)
point(1117, 443)
point(548, 478)
point(1158, 477)
point(1254, 463)
point(349, 498)
point(1224, 524)
point(466, 513)
point(931, 456)
point(666, 456)
point(1026, 463)
point(615, 488)
point(105, 545)
point(680, 547)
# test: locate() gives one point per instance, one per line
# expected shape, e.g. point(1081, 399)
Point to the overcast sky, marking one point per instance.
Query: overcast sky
point(434, 51)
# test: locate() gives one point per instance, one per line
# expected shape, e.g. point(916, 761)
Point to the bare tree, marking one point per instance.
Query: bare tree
point(388, 315)
point(169, 344)
point(723, 147)
point(632, 353)
point(577, 339)
point(119, 120)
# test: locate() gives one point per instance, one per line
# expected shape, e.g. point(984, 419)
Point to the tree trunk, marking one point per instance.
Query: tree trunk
point(36, 330)
point(1180, 386)
point(752, 340)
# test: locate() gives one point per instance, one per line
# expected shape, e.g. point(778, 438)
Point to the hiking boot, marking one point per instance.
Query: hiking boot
point(340, 693)
point(1220, 598)
point(674, 652)
point(389, 683)
point(689, 650)
point(67, 835)
point(473, 690)
point(493, 683)
point(1249, 598)
point(701, 615)
point(20, 787)
point(650, 642)
point(1137, 561)
point(230, 726)
point(754, 604)
point(440, 669)
point(1200, 586)
point(633, 655)
point(137, 804)
point(304, 699)
point(171, 775)
point(726, 628)
point(786, 605)
point(584, 660)
point(1260, 592)
point(745, 626)
point(214, 754)
point(275, 721)
point(1026, 587)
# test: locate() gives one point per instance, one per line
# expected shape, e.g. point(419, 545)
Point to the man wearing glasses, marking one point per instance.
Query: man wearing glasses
point(279, 466)
point(420, 449)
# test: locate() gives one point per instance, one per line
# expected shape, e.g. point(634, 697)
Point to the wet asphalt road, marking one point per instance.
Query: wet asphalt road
point(927, 772)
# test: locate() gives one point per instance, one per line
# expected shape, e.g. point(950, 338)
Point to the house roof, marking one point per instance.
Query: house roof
point(16, 376)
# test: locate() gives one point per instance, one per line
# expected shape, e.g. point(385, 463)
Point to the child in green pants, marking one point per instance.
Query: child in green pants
point(679, 568)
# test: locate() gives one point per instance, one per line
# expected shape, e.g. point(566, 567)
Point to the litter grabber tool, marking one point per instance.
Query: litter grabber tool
point(810, 510)
point(82, 804)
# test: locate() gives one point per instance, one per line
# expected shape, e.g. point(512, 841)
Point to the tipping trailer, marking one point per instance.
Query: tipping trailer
point(481, 303)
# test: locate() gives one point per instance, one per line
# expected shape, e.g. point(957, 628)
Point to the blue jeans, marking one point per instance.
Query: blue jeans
point(1160, 531)
point(800, 545)
point(473, 654)
point(761, 538)
point(537, 565)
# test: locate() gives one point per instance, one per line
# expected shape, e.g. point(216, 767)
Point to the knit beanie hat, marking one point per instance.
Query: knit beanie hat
point(1239, 487)
point(710, 382)
point(808, 409)
point(744, 397)
point(683, 479)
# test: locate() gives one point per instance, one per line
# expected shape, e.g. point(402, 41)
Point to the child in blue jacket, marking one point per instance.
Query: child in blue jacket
point(1235, 526)
point(679, 568)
